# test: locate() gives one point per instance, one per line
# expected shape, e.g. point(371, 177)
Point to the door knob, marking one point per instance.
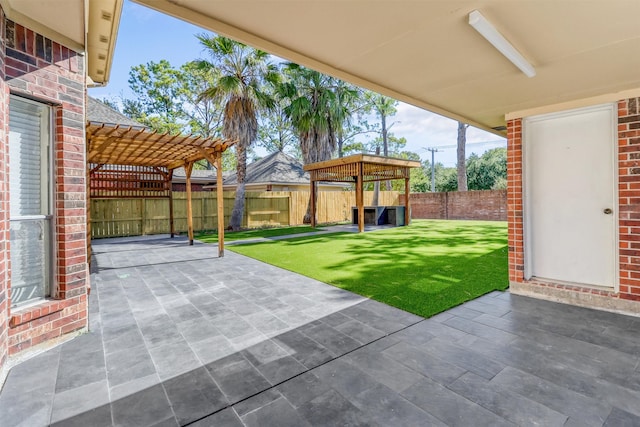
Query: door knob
point(608, 211)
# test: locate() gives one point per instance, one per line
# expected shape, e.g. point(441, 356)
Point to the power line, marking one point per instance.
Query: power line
point(433, 168)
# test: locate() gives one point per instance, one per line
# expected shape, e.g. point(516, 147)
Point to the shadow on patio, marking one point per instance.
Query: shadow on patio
point(180, 337)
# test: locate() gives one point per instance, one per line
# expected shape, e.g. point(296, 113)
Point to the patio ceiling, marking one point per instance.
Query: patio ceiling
point(131, 145)
point(425, 52)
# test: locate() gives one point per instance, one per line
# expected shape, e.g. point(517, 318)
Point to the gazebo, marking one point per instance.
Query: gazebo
point(358, 169)
point(127, 161)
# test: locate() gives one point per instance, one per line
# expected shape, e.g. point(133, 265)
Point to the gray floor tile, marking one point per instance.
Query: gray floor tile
point(385, 370)
point(344, 377)
point(331, 409)
point(510, 406)
point(281, 369)
point(194, 395)
point(360, 332)
point(212, 349)
point(237, 378)
point(450, 407)
point(255, 402)
point(173, 359)
point(146, 407)
point(387, 408)
point(225, 418)
point(577, 406)
point(334, 340)
point(423, 363)
point(303, 388)
point(620, 418)
point(74, 402)
point(95, 417)
point(546, 361)
point(81, 369)
point(129, 364)
point(277, 413)
point(302, 348)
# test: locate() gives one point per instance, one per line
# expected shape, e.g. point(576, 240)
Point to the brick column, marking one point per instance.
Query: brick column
point(514, 201)
point(629, 197)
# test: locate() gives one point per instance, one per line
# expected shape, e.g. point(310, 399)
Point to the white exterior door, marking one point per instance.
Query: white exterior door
point(570, 196)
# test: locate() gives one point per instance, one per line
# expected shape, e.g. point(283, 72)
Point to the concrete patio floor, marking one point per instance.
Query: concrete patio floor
point(180, 337)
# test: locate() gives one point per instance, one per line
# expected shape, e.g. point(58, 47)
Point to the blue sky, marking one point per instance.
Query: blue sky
point(146, 35)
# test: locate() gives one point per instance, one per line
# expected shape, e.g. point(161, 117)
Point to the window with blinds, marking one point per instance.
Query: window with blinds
point(30, 200)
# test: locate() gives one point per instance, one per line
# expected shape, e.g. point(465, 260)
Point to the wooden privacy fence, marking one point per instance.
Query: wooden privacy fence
point(134, 217)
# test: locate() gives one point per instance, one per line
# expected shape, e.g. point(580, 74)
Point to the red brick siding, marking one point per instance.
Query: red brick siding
point(489, 205)
point(514, 200)
point(629, 196)
point(4, 204)
point(43, 69)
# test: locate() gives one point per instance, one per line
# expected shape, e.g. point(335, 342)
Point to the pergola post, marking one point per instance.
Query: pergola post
point(407, 205)
point(360, 198)
point(172, 227)
point(188, 167)
point(88, 210)
point(220, 204)
point(313, 203)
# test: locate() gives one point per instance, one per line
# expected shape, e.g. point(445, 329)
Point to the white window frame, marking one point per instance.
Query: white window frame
point(47, 182)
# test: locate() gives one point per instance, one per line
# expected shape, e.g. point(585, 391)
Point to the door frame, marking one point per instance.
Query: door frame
point(526, 168)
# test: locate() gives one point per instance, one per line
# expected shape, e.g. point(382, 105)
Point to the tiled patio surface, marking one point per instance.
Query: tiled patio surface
point(180, 337)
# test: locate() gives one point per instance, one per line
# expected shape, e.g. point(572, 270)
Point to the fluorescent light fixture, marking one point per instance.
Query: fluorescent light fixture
point(489, 32)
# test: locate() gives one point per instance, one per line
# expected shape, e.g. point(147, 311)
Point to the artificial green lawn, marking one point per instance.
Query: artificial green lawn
point(425, 268)
point(230, 236)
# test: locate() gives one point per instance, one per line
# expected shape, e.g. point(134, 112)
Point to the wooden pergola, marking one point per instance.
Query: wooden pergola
point(133, 162)
point(360, 168)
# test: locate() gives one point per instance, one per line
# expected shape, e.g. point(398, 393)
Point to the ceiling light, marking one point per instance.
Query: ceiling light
point(489, 32)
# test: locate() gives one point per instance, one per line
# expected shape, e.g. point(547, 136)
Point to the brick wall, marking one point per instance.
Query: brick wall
point(4, 205)
point(45, 70)
point(629, 197)
point(490, 205)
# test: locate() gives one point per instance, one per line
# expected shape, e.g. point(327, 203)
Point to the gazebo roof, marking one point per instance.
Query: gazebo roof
point(135, 145)
point(373, 168)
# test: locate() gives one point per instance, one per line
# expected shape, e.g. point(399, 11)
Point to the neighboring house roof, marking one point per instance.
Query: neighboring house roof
point(197, 175)
point(98, 111)
point(276, 168)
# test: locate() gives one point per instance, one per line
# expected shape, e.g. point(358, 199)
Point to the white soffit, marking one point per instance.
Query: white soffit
point(426, 53)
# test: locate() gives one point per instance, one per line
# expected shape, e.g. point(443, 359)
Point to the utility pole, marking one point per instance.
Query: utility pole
point(433, 168)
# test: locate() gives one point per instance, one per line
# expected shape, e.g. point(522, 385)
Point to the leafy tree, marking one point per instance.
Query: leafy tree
point(276, 132)
point(156, 105)
point(488, 171)
point(168, 99)
point(243, 71)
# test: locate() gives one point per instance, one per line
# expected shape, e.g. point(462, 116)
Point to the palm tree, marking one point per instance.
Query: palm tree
point(243, 71)
point(314, 111)
point(384, 107)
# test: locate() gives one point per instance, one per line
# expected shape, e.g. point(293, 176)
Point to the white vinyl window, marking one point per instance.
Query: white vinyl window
point(30, 189)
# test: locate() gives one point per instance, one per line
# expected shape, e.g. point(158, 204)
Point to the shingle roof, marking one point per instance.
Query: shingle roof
point(197, 175)
point(276, 167)
point(98, 111)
